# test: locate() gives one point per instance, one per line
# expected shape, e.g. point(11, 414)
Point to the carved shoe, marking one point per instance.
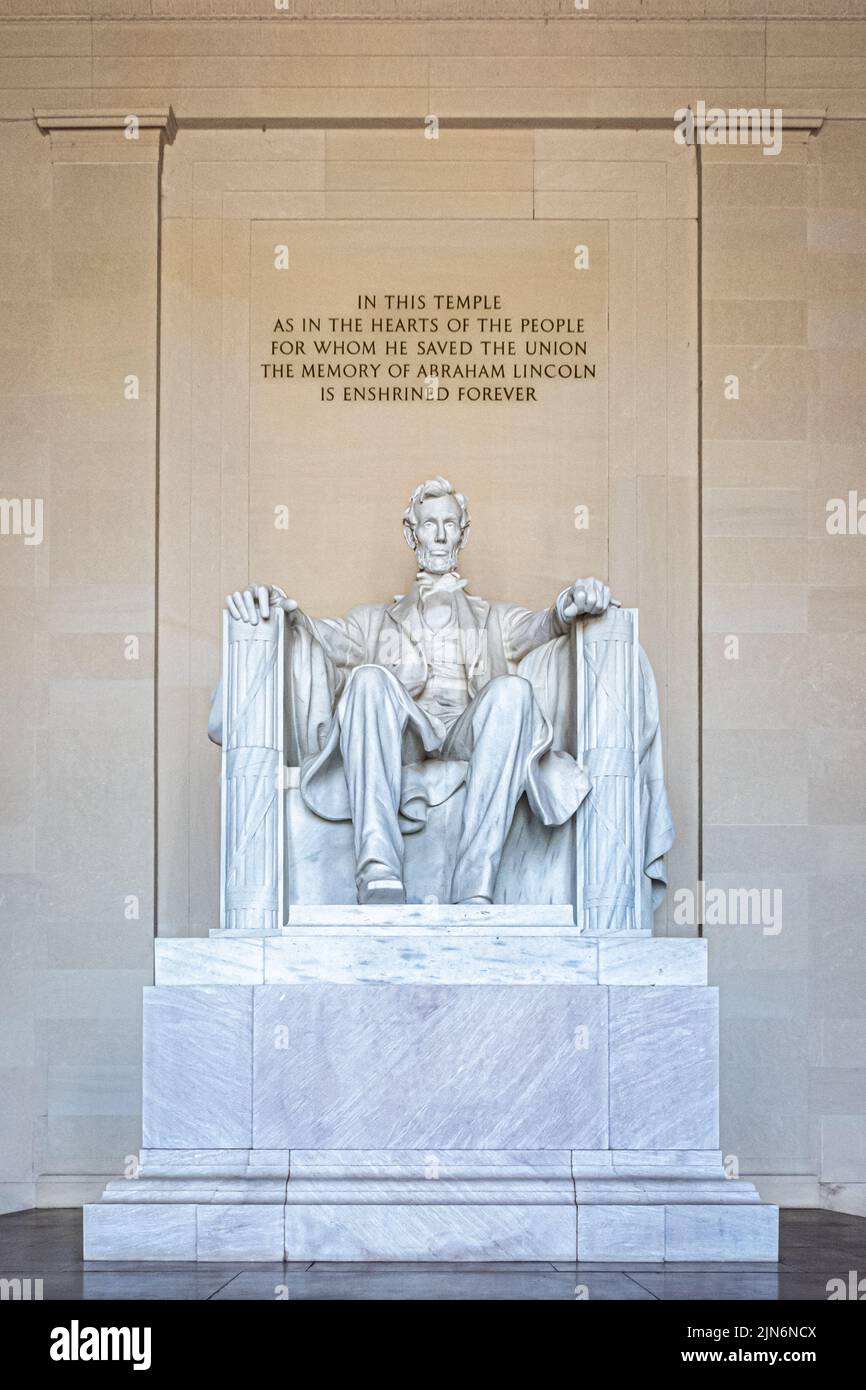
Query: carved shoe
point(382, 890)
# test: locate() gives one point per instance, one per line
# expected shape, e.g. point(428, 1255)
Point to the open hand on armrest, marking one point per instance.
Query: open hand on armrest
point(249, 605)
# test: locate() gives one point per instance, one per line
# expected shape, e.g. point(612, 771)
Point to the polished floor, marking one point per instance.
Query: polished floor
point(816, 1248)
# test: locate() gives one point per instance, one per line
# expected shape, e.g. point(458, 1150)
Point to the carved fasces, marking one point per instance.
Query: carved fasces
point(252, 819)
point(607, 675)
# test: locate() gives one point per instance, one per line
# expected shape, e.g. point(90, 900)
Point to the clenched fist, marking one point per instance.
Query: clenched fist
point(587, 598)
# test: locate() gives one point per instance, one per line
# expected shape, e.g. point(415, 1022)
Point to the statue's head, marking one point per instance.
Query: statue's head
point(436, 525)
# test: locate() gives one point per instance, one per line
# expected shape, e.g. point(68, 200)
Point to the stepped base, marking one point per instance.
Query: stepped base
point(321, 1205)
point(498, 1088)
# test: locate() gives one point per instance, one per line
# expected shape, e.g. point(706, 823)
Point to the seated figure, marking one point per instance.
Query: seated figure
point(395, 707)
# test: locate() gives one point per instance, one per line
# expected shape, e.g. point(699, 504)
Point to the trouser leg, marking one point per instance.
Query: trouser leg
point(372, 722)
point(496, 735)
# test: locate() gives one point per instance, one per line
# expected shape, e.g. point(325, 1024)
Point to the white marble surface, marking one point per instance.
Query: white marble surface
point(411, 1066)
point(748, 1232)
point(202, 1189)
point(466, 1165)
point(240, 1233)
point(664, 1065)
point(432, 956)
point(465, 1232)
point(393, 1230)
point(139, 1232)
point(197, 1084)
point(652, 961)
point(655, 1190)
point(536, 863)
point(414, 1205)
point(620, 1232)
point(432, 945)
point(690, 1163)
point(432, 915)
point(229, 1163)
point(525, 1192)
point(498, 1226)
point(229, 959)
point(501, 1178)
point(320, 854)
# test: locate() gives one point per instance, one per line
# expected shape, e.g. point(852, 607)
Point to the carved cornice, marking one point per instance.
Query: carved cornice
point(162, 119)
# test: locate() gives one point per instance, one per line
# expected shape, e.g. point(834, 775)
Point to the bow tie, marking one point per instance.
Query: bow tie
point(428, 584)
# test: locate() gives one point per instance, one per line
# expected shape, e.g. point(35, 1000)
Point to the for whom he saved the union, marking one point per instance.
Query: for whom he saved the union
point(396, 706)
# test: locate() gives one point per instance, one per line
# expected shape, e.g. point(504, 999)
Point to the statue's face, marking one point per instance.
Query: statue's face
point(438, 534)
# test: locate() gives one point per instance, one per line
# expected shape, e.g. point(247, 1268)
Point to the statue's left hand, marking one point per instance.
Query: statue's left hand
point(588, 598)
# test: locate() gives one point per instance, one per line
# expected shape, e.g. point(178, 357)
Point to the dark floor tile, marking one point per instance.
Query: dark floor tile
point(715, 1286)
point(791, 1215)
point(852, 1229)
point(433, 1267)
point(134, 1285)
point(436, 1286)
point(829, 1257)
point(822, 1236)
point(39, 1257)
point(705, 1267)
point(815, 1285)
point(695, 1286)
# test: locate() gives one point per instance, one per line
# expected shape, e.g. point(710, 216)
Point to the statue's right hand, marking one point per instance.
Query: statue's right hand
point(248, 605)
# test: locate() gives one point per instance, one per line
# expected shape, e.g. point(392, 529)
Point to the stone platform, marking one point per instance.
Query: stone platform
point(430, 1083)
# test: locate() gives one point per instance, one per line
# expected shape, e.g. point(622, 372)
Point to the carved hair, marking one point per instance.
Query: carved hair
point(434, 487)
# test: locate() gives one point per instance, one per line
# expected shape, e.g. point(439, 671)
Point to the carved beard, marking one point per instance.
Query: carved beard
point(438, 562)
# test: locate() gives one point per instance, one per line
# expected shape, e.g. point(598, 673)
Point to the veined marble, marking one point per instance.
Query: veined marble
point(443, 956)
point(233, 959)
point(621, 1232)
point(409, 945)
point(222, 1163)
point(715, 1232)
point(352, 916)
point(464, 1165)
point(197, 1089)
point(443, 1204)
point(139, 1232)
point(444, 1066)
point(636, 960)
point(248, 1232)
point(464, 1232)
point(664, 1068)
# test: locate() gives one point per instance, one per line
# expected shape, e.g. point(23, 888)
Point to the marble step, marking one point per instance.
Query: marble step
point(484, 952)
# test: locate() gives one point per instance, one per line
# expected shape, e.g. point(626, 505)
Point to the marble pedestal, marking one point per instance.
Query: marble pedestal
point(428, 1083)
